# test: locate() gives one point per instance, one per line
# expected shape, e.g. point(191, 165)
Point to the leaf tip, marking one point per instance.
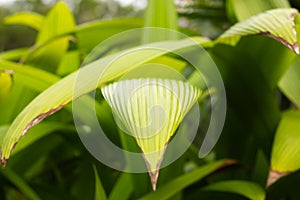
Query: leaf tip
point(154, 177)
point(275, 176)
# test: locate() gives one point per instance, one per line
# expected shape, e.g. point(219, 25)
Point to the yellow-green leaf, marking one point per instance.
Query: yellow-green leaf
point(278, 24)
point(58, 21)
point(151, 111)
point(61, 93)
point(286, 152)
point(30, 19)
point(6, 81)
point(247, 8)
point(290, 83)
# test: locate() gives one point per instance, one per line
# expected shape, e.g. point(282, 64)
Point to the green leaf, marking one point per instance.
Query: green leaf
point(165, 17)
point(278, 24)
point(99, 191)
point(29, 76)
point(61, 93)
point(29, 19)
point(176, 185)
point(20, 183)
point(286, 152)
point(3, 130)
point(247, 189)
point(6, 82)
point(49, 55)
point(132, 101)
point(91, 34)
point(290, 83)
point(123, 188)
point(58, 21)
point(40, 131)
point(246, 8)
point(13, 55)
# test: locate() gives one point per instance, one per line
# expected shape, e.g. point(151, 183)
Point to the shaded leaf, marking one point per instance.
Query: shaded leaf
point(99, 190)
point(278, 24)
point(123, 188)
point(13, 55)
point(20, 183)
point(247, 189)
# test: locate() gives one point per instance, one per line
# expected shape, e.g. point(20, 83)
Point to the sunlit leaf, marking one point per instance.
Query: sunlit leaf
point(57, 22)
point(30, 19)
point(169, 189)
point(151, 111)
point(286, 152)
point(246, 8)
point(6, 82)
point(13, 55)
point(290, 83)
point(49, 55)
point(165, 17)
point(247, 189)
point(61, 93)
point(278, 24)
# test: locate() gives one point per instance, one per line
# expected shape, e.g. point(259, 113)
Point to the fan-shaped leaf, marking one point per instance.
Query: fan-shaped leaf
point(151, 111)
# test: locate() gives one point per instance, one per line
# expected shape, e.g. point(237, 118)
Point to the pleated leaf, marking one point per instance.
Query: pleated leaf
point(278, 24)
point(151, 111)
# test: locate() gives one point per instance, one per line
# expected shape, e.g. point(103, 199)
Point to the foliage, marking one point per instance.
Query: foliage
point(258, 61)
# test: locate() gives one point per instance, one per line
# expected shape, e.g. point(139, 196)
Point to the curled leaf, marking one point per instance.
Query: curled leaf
point(278, 24)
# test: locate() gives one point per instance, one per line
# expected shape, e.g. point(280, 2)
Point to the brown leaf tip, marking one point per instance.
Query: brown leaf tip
point(154, 177)
point(274, 176)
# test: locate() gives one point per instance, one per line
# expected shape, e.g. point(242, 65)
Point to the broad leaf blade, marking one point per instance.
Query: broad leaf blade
point(60, 94)
point(285, 152)
point(278, 24)
point(247, 189)
point(59, 21)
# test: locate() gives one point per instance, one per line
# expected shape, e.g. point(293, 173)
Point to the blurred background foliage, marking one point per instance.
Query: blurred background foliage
point(58, 165)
